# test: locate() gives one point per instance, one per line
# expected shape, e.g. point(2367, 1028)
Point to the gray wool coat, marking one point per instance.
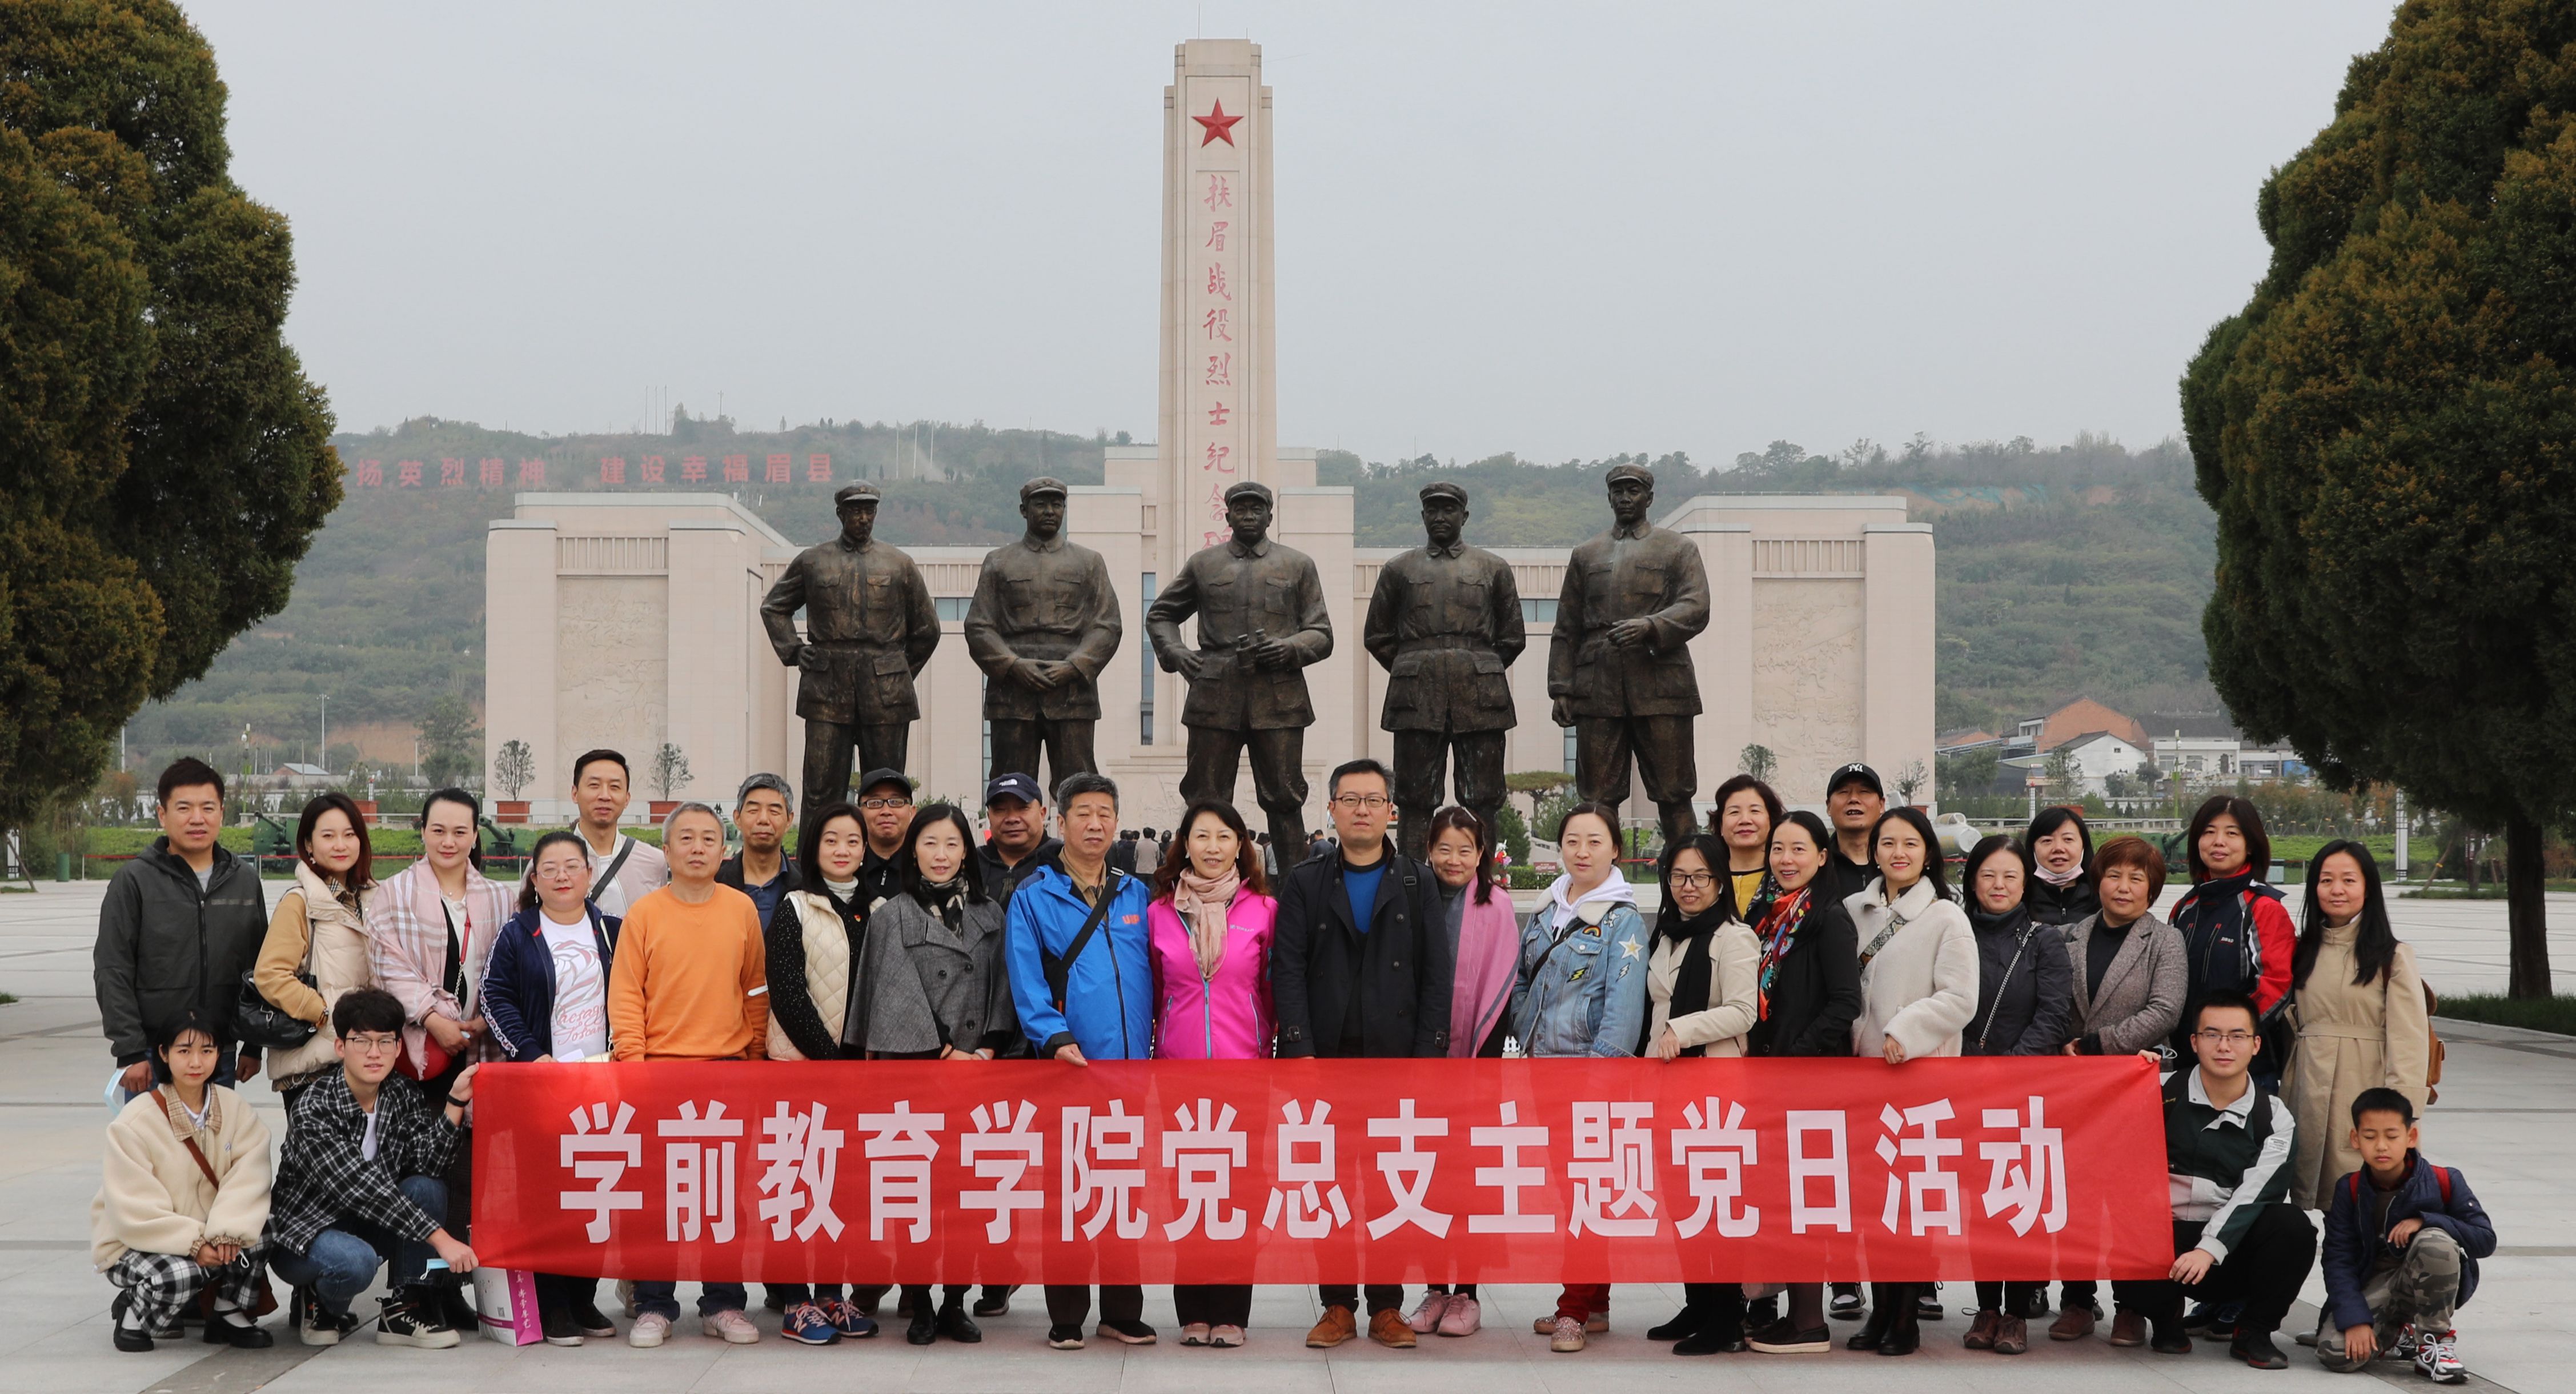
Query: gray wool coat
point(928, 986)
point(2142, 990)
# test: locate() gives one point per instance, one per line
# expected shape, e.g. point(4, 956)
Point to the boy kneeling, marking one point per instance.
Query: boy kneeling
point(2403, 1240)
point(2227, 1163)
point(358, 1184)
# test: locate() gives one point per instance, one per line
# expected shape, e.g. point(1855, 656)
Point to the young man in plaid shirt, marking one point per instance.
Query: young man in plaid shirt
point(358, 1185)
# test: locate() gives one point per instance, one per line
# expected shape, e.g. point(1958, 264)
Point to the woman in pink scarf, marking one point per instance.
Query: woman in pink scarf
point(1484, 943)
point(1211, 924)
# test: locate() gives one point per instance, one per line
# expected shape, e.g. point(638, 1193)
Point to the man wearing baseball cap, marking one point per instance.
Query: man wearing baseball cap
point(1016, 842)
point(1854, 798)
point(1043, 623)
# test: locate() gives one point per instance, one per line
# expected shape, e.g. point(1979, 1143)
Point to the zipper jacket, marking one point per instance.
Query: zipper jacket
point(1227, 1016)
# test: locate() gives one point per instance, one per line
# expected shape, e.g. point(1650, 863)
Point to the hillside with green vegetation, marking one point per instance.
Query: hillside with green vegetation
point(2077, 570)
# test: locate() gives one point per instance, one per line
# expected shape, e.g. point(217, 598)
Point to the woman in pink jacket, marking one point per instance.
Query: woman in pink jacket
point(1211, 923)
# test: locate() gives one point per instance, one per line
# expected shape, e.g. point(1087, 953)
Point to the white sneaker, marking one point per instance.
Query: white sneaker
point(732, 1328)
point(648, 1330)
point(2437, 1355)
point(1426, 1318)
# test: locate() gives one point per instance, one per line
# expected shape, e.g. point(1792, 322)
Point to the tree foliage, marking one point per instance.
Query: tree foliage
point(162, 458)
point(2388, 434)
point(449, 742)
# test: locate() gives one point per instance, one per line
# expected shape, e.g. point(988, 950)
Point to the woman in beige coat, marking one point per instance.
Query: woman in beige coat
point(182, 1199)
point(2361, 1018)
point(1918, 989)
point(316, 947)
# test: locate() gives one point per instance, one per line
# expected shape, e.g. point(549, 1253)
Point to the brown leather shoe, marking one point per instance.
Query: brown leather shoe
point(1389, 1328)
point(1336, 1327)
point(2073, 1324)
point(2012, 1336)
point(2128, 1328)
point(1981, 1332)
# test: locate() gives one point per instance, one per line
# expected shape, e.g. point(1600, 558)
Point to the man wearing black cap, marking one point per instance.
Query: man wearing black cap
point(869, 628)
point(1016, 842)
point(885, 815)
point(1445, 622)
point(1853, 800)
point(1618, 664)
point(1043, 624)
point(1260, 607)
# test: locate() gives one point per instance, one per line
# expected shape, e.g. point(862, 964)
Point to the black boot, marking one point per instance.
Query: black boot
point(1684, 1323)
point(953, 1321)
point(1874, 1330)
point(1903, 1335)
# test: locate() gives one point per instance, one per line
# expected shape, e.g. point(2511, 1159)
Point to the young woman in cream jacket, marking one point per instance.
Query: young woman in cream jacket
point(182, 1199)
point(319, 928)
point(1918, 988)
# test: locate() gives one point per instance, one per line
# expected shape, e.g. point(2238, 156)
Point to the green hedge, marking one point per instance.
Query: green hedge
point(2531, 1013)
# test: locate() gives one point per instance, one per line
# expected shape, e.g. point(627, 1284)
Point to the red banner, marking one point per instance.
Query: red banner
point(1294, 1171)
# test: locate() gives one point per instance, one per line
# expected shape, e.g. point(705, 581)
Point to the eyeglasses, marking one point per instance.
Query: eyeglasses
point(1693, 880)
point(1372, 802)
point(372, 1045)
point(2239, 1039)
point(872, 805)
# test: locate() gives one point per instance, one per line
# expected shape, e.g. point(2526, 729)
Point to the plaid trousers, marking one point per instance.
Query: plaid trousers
point(164, 1284)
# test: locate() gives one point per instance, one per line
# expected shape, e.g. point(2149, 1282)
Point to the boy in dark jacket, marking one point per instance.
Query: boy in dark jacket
point(2403, 1240)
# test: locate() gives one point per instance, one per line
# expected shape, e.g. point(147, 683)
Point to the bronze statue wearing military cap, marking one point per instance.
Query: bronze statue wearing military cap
point(1445, 623)
point(1043, 624)
point(869, 628)
point(1260, 607)
point(1618, 664)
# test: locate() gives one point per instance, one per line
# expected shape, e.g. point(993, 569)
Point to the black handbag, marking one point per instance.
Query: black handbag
point(263, 1024)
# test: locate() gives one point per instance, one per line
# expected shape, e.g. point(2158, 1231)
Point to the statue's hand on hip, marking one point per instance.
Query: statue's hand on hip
point(808, 658)
point(1189, 663)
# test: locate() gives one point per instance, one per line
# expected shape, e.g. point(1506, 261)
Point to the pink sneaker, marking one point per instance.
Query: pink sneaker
point(1462, 1318)
point(1426, 1318)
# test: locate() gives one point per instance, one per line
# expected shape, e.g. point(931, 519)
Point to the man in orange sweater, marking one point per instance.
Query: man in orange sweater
point(690, 982)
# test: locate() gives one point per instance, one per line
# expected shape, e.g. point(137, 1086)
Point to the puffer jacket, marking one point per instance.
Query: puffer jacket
point(165, 946)
point(315, 931)
point(1583, 974)
point(1225, 1017)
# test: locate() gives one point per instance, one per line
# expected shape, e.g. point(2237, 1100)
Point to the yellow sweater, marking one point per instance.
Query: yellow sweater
point(690, 982)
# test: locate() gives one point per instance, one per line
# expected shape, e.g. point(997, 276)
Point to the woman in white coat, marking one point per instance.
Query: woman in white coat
point(1918, 989)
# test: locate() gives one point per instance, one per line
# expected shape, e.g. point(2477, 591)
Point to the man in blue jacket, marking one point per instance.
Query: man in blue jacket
point(2403, 1240)
point(1083, 982)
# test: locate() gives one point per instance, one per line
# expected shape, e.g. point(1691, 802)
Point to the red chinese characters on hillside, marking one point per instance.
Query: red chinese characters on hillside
point(494, 472)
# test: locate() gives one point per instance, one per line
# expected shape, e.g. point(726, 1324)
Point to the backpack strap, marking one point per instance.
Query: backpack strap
point(2442, 1178)
point(1059, 971)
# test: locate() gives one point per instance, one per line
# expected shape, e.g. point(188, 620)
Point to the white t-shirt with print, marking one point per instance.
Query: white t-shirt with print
point(580, 1024)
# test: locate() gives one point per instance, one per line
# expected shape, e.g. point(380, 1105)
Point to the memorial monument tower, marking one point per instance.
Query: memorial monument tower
point(1219, 394)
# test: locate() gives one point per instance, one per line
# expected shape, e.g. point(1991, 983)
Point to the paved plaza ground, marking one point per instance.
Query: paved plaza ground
point(2507, 1117)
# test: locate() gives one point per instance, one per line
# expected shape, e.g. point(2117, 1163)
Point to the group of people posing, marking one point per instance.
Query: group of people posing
point(2295, 1057)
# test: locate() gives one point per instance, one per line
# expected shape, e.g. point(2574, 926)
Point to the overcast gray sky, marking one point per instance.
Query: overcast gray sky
point(1558, 229)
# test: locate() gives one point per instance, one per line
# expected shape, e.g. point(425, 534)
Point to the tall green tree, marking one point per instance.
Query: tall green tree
point(2387, 432)
point(163, 460)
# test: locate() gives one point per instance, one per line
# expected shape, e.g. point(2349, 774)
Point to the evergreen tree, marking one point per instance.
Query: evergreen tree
point(163, 460)
point(2387, 432)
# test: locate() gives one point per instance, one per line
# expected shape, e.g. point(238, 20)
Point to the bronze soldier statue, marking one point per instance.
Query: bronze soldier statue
point(1618, 665)
point(1261, 615)
point(869, 628)
point(1445, 621)
point(1043, 624)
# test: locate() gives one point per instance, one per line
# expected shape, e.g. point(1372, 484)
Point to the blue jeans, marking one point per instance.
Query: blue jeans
point(664, 1298)
point(344, 1258)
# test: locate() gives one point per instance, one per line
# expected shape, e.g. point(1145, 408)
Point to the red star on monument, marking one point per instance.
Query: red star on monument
point(1219, 126)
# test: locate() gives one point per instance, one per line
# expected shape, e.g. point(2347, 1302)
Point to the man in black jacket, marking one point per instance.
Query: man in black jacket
point(762, 869)
point(181, 923)
point(1015, 812)
point(1361, 968)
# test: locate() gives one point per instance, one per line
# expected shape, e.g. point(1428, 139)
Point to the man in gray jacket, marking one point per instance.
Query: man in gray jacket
point(181, 923)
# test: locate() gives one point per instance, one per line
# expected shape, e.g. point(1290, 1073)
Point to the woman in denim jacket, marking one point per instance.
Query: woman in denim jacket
point(1582, 992)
